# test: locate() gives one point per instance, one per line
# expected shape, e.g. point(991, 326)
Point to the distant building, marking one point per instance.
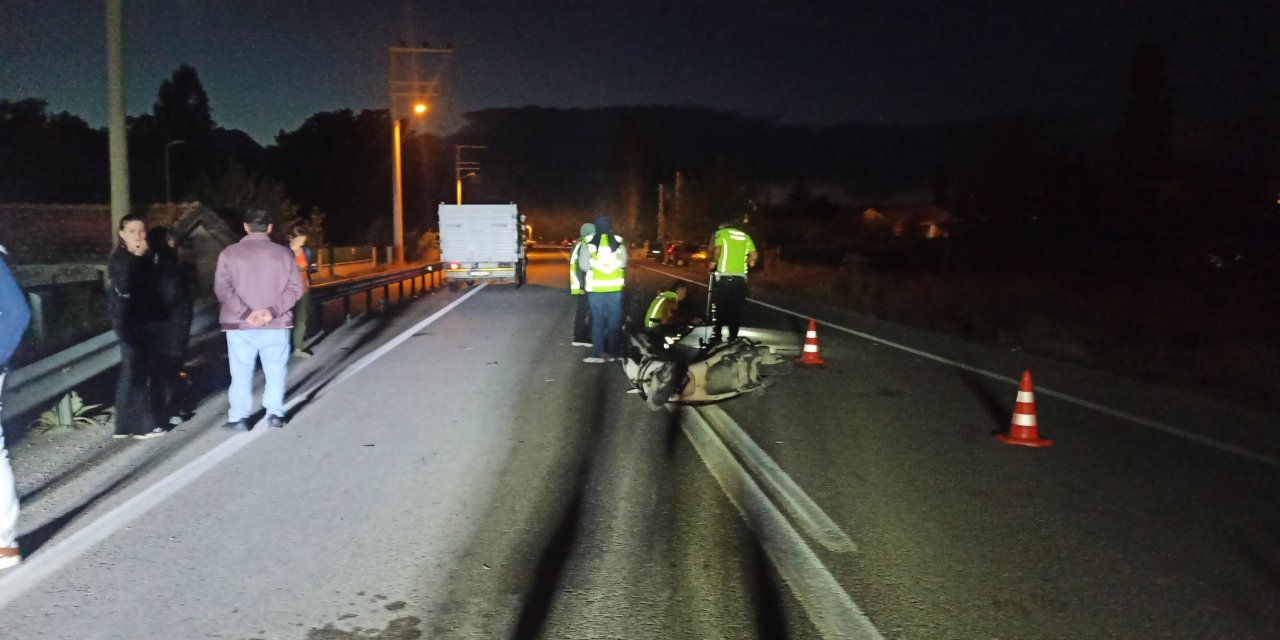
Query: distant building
point(910, 220)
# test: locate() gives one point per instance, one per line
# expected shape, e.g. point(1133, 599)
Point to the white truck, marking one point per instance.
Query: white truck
point(482, 243)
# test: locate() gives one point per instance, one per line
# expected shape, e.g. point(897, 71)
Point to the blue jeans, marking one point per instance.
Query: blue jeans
point(606, 323)
point(244, 348)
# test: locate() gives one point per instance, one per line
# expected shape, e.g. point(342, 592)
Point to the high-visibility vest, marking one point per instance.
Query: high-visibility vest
point(575, 283)
point(653, 317)
point(733, 245)
point(605, 275)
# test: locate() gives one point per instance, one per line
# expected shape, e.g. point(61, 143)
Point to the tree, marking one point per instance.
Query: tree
point(182, 107)
point(630, 179)
point(234, 190)
point(340, 161)
point(49, 158)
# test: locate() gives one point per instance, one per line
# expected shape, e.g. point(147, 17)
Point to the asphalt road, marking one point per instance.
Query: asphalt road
point(453, 470)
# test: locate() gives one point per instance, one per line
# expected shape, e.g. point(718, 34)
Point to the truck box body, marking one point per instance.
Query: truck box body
point(480, 242)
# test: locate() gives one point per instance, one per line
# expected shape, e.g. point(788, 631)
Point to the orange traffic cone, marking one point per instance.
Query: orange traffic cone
point(1022, 428)
point(810, 355)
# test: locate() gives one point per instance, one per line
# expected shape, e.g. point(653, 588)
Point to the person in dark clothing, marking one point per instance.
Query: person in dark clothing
point(135, 310)
point(172, 330)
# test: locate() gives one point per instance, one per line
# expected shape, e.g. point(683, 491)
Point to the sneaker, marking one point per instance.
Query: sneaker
point(594, 360)
point(154, 433)
point(10, 557)
point(301, 353)
point(275, 422)
point(175, 421)
point(580, 344)
point(239, 426)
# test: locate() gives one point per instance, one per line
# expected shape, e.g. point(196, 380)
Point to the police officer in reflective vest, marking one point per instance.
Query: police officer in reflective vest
point(577, 276)
point(733, 253)
point(604, 259)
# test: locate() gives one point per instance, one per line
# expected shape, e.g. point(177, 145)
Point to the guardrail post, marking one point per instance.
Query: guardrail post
point(37, 325)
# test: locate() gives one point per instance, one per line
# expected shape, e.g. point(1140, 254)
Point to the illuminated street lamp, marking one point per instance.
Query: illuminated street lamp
point(397, 221)
point(403, 84)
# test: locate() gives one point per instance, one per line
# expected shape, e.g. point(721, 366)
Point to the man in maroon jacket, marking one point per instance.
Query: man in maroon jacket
point(257, 285)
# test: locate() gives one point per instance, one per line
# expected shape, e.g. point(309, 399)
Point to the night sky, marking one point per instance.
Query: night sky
point(267, 65)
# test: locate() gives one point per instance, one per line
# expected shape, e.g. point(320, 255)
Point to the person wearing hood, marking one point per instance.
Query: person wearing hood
point(604, 259)
point(578, 276)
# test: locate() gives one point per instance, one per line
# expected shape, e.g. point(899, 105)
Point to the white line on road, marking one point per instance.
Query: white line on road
point(829, 606)
point(1115, 413)
point(34, 570)
point(794, 500)
point(45, 563)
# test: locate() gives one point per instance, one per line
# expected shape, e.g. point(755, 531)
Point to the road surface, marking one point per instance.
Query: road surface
point(451, 469)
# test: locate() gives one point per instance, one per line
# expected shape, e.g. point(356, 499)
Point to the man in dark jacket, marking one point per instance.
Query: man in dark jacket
point(257, 284)
point(14, 315)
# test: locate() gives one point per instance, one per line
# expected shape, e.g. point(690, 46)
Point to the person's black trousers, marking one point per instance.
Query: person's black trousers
point(582, 320)
point(134, 400)
point(728, 298)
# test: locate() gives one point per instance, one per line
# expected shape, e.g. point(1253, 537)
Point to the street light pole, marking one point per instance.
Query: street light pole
point(168, 190)
point(459, 166)
point(417, 90)
point(117, 139)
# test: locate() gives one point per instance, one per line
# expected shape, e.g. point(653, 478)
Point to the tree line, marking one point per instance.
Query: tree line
point(1135, 188)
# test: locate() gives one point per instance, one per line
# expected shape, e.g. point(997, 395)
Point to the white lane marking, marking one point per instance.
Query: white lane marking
point(392, 343)
point(1115, 413)
point(794, 500)
point(829, 606)
point(37, 568)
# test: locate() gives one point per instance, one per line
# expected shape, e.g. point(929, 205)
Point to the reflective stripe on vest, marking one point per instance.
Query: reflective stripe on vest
point(605, 275)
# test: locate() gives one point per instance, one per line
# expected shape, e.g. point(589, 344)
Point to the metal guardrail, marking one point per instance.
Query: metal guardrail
point(50, 377)
point(344, 290)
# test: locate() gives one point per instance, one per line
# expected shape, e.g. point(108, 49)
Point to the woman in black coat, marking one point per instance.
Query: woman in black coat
point(171, 332)
point(135, 310)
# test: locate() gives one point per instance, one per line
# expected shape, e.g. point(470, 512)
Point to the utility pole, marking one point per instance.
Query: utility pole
point(459, 166)
point(662, 215)
point(676, 210)
point(117, 142)
point(405, 86)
